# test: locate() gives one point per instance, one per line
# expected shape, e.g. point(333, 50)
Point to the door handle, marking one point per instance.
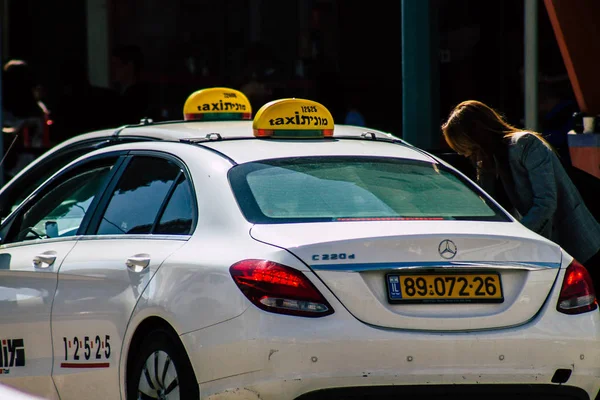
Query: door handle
point(138, 263)
point(44, 260)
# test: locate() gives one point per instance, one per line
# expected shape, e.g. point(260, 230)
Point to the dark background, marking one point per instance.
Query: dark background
point(350, 50)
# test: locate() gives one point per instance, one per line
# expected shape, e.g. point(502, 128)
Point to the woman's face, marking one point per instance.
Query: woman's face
point(465, 145)
point(462, 140)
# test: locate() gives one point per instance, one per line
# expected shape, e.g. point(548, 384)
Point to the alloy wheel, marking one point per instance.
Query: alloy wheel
point(158, 379)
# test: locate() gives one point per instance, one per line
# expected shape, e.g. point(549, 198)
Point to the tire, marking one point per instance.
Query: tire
point(161, 370)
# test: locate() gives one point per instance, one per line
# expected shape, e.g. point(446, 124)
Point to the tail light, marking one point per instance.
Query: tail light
point(577, 294)
point(276, 288)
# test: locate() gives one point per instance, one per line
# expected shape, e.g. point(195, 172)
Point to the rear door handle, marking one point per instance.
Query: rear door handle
point(44, 260)
point(138, 263)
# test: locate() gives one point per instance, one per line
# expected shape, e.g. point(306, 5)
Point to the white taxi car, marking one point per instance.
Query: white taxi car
point(283, 257)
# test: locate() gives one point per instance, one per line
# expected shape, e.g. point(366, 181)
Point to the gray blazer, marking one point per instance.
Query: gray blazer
point(547, 199)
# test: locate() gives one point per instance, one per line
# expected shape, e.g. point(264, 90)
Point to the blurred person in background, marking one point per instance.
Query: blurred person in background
point(26, 119)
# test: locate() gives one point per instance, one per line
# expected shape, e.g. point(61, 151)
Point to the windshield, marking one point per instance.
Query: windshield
point(315, 189)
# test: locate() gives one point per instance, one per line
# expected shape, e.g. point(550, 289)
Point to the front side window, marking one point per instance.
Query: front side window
point(140, 193)
point(60, 212)
point(358, 188)
point(40, 173)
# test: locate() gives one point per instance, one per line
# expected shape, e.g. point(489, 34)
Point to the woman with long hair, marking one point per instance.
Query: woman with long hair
point(535, 181)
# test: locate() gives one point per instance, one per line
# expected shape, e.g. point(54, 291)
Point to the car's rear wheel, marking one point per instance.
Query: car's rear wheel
point(161, 370)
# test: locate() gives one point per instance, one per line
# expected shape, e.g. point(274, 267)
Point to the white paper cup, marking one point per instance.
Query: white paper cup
point(588, 124)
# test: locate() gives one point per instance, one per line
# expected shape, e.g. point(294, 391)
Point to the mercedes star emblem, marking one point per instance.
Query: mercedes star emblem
point(447, 249)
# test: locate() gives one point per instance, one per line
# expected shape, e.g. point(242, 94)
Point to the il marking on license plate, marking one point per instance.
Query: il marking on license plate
point(471, 287)
point(394, 284)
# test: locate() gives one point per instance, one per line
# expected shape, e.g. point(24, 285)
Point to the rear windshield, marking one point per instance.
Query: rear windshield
point(317, 189)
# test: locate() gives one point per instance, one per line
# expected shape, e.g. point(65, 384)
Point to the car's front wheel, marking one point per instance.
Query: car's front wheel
point(161, 370)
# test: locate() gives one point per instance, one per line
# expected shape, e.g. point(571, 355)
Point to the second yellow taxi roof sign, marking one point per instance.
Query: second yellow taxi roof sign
point(217, 104)
point(293, 119)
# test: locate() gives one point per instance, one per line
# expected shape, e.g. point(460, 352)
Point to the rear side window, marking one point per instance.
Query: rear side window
point(140, 193)
point(178, 217)
point(357, 188)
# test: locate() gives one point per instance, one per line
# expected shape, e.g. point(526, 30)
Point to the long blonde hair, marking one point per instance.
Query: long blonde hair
point(474, 127)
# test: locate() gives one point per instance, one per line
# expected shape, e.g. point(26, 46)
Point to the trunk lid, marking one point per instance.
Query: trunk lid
point(426, 275)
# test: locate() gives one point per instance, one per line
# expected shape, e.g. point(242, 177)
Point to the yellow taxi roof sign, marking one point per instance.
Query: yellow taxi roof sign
point(293, 119)
point(217, 104)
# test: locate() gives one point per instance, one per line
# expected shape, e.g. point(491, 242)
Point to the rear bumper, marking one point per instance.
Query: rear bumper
point(265, 356)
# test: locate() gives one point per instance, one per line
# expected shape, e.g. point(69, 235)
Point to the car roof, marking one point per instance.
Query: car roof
point(201, 131)
point(236, 140)
point(181, 130)
point(242, 151)
point(226, 137)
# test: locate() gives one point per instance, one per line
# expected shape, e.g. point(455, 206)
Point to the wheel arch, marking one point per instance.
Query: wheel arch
point(149, 324)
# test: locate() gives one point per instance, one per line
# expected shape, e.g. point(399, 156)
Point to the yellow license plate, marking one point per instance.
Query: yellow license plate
point(480, 287)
